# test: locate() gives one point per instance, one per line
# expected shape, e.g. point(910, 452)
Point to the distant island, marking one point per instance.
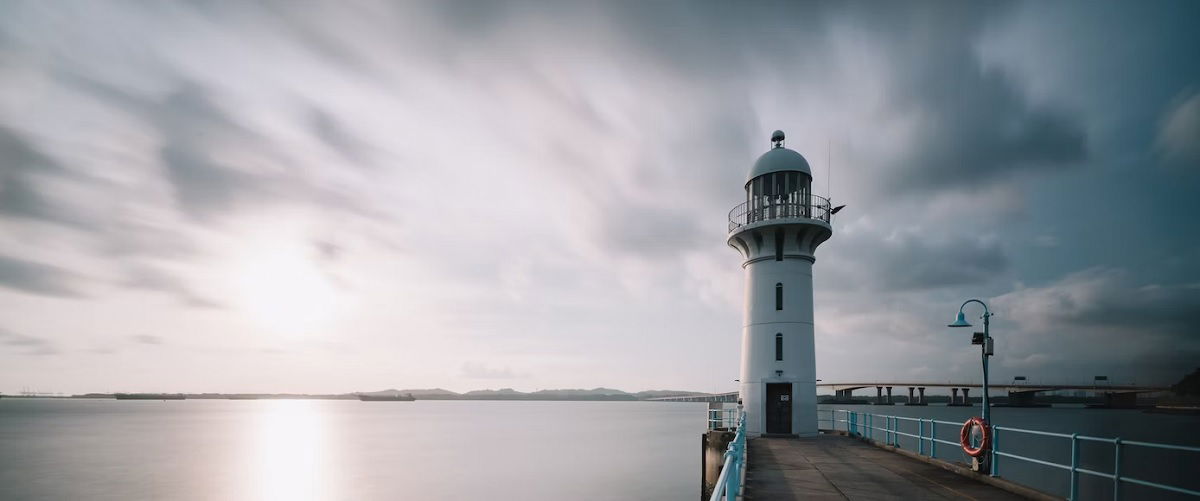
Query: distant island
point(600, 394)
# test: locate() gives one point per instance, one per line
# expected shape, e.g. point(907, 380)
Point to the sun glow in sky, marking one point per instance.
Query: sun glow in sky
point(281, 289)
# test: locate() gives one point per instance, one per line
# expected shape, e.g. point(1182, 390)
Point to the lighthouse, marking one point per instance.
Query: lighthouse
point(777, 231)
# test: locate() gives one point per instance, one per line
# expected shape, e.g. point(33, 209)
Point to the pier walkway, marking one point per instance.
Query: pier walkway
point(839, 467)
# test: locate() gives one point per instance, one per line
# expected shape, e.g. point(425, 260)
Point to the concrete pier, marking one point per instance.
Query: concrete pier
point(839, 467)
point(712, 456)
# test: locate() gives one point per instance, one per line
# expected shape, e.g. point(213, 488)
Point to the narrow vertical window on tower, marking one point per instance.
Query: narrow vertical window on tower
point(779, 347)
point(779, 245)
point(779, 297)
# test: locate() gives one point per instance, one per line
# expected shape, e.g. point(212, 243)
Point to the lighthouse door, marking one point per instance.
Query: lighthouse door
point(779, 408)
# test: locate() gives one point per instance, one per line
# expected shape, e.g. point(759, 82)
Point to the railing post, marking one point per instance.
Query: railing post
point(1117, 469)
point(932, 438)
point(995, 447)
point(920, 436)
point(1074, 467)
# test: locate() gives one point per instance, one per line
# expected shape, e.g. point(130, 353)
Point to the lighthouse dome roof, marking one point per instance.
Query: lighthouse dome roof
point(779, 159)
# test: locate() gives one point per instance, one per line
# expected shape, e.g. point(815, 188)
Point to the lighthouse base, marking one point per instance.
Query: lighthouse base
point(780, 408)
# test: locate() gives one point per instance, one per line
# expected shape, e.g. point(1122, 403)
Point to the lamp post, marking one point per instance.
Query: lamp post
point(985, 348)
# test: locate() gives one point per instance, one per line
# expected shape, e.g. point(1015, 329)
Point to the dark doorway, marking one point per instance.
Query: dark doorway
point(779, 408)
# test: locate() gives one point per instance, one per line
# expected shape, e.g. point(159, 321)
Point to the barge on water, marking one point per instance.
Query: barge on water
point(386, 398)
point(149, 396)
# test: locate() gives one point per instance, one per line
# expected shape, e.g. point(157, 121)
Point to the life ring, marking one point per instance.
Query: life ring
point(964, 437)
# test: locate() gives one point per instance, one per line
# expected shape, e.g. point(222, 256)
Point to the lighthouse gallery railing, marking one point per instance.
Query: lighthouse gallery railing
point(766, 209)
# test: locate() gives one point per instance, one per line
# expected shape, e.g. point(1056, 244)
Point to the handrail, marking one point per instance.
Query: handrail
point(862, 424)
point(729, 482)
point(722, 419)
point(765, 209)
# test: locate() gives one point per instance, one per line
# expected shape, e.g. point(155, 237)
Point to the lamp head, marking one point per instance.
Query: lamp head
point(961, 321)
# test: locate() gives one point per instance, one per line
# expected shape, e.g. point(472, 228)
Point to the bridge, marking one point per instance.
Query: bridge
point(729, 397)
point(1020, 393)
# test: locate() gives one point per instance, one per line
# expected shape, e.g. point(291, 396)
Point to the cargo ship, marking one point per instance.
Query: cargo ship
point(149, 396)
point(386, 398)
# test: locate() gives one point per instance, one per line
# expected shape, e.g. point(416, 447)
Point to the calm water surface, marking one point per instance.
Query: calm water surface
point(348, 450)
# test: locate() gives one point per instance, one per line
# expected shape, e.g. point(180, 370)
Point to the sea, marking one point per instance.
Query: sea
point(68, 449)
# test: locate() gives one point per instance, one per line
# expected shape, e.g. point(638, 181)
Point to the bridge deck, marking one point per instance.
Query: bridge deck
point(837, 467)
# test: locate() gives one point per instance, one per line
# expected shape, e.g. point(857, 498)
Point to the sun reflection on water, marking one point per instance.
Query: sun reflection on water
point(287, 458)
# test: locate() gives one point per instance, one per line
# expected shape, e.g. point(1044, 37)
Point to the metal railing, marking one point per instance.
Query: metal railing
point(863, 424)
point(722, 419)
point(729, 483)
point(754, 211)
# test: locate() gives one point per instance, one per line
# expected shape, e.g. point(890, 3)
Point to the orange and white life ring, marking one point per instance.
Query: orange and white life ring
point(964, 437)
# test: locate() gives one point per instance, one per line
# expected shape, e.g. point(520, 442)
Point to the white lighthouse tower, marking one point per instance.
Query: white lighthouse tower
point(777, 230)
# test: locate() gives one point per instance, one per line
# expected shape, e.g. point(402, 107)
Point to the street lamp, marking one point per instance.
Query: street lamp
point(985, 343)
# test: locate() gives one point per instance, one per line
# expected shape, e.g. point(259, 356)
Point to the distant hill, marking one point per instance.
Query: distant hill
point(423, 393)
point(607, 394)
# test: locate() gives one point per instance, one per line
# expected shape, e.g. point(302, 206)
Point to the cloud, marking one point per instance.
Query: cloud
point(327, 250)
point(1179, 133)
point(147, 339)
point(37, 278)
point(31, 345)
point(151, 278)
point(327, 128)
point(911, 260)
point(1105, 298)
point(22, 169)
point(1102, 319)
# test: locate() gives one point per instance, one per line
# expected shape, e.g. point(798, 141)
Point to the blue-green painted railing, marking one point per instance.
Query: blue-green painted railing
point(863, 424)
point(729, 483)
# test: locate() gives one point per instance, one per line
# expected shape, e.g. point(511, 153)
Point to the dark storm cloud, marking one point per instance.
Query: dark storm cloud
point(1104, 317)
point(30, 345)
point(1108, 298)
point(37, 278)
point(912, 261)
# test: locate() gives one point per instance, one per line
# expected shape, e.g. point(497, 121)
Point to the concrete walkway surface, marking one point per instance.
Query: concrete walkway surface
point(838, 467)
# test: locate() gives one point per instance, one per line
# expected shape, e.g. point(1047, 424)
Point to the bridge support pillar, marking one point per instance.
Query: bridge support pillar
point(953, 396)
point(914, 400)
point(889, 398)
point(921, 389)
point(878, 395)
point(1023, 399)
point(966, 401)
point(1113, 400)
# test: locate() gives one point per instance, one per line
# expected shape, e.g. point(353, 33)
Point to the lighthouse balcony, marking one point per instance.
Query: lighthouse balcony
point(779, 210)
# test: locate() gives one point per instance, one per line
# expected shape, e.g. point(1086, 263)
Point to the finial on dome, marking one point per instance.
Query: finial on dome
point(777, 139)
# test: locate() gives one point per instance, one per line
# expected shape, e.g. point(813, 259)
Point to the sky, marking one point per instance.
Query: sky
point(350, 196)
